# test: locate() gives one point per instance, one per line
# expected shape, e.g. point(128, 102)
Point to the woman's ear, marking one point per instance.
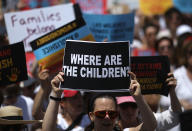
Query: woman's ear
point(91, 116)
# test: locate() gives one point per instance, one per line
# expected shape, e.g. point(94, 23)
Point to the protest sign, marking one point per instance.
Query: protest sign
point(28, 25)
point(49, 49)
point(92, 6)
point(96, 66)
point(154, 7)
point(184, 6)
point(151, 72)
point(12, 64)
point(112, 27)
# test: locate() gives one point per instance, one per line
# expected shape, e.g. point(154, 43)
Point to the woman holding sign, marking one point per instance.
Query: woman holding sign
point(103, 112)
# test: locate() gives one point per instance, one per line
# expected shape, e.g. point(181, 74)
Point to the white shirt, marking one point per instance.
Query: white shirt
point(62, 123)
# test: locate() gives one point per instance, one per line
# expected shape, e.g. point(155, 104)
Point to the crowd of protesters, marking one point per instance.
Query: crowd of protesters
point(44, 106)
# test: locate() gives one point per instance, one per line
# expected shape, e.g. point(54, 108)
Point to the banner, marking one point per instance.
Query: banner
point(96, 66)
point(185, 6)
point(155, 7)
point(92, 6)
point(12, 64)
point(151, 72)
point(49, 49)
point(29, 25)
point(112, 27)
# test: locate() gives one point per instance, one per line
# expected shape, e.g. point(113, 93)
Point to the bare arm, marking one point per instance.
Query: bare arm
point(49, 122)
point(175, 104)
point(43, 93)
point(149, 121)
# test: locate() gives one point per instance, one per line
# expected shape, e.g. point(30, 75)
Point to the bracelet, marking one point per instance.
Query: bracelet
point(55, 98)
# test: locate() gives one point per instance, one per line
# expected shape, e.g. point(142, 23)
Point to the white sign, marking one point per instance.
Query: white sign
point(28, 25)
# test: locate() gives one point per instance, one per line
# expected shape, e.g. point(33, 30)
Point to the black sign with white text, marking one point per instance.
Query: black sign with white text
point(96, 66)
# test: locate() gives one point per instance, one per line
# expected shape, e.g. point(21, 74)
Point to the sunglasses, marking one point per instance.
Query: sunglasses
point(102, 114)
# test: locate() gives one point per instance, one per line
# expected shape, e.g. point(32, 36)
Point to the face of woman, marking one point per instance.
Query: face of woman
point(165, 48)
point(104, 114)
point(128, 111)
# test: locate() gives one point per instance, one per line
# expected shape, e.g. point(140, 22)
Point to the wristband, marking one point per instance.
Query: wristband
point(55, 98)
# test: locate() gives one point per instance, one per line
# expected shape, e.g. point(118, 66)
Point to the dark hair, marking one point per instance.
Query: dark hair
point(163, 38)
point(92, 106)
point(179, 52)
point(186, 49)
point(171, 11)
point(100, 95)
point(150, 25)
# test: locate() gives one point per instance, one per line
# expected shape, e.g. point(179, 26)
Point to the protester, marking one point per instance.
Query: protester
point(71, 115)
point(173, 19)
point(11, 119)
point(184, 76)
point(130, 114)
point(148, 45)
point(164, 46)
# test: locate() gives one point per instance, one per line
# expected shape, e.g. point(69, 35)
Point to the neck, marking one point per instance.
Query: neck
point(69, 118)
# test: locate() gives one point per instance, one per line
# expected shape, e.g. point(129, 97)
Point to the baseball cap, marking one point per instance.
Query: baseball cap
point(182, 29)
point(125, 99)
point(163, 34)
point(69, 93)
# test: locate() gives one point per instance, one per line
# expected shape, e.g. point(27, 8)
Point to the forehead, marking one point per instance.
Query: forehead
point(104, 104)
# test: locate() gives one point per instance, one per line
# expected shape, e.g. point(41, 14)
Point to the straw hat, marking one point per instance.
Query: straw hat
point(11, 115)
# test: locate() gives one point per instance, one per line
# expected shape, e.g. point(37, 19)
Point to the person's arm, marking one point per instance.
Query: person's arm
point(175, 104)
point(50, 118)
point(42, 94)
point(169, 118)
point(149, 121)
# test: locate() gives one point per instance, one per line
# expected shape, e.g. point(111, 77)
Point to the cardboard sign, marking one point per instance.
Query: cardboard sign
point(155, 7)
point(92, 6)
point(96, 66)
point(184, 6)
point(151, 72)
point(49, 49)
point(28, 25)
point(12, 64)
point(112, 27)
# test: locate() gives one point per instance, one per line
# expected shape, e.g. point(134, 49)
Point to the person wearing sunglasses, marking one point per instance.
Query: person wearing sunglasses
point(104, 113)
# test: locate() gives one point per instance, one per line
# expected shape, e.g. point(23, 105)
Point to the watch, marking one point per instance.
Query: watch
point(55, 98)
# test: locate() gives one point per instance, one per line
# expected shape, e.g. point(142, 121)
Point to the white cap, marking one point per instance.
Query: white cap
point(164, 33)
point(183, 29)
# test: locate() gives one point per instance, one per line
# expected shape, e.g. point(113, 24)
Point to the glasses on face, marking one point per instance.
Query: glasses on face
point(102, 114)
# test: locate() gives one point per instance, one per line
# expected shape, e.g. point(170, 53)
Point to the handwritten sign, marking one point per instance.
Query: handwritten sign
point(96, 66)
point(92, 6)
point(28, 25)
point(151, 72)
point(184, 6)
point(112, 27)
point(155, 7)
point(49, 49)
point(12, 64)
